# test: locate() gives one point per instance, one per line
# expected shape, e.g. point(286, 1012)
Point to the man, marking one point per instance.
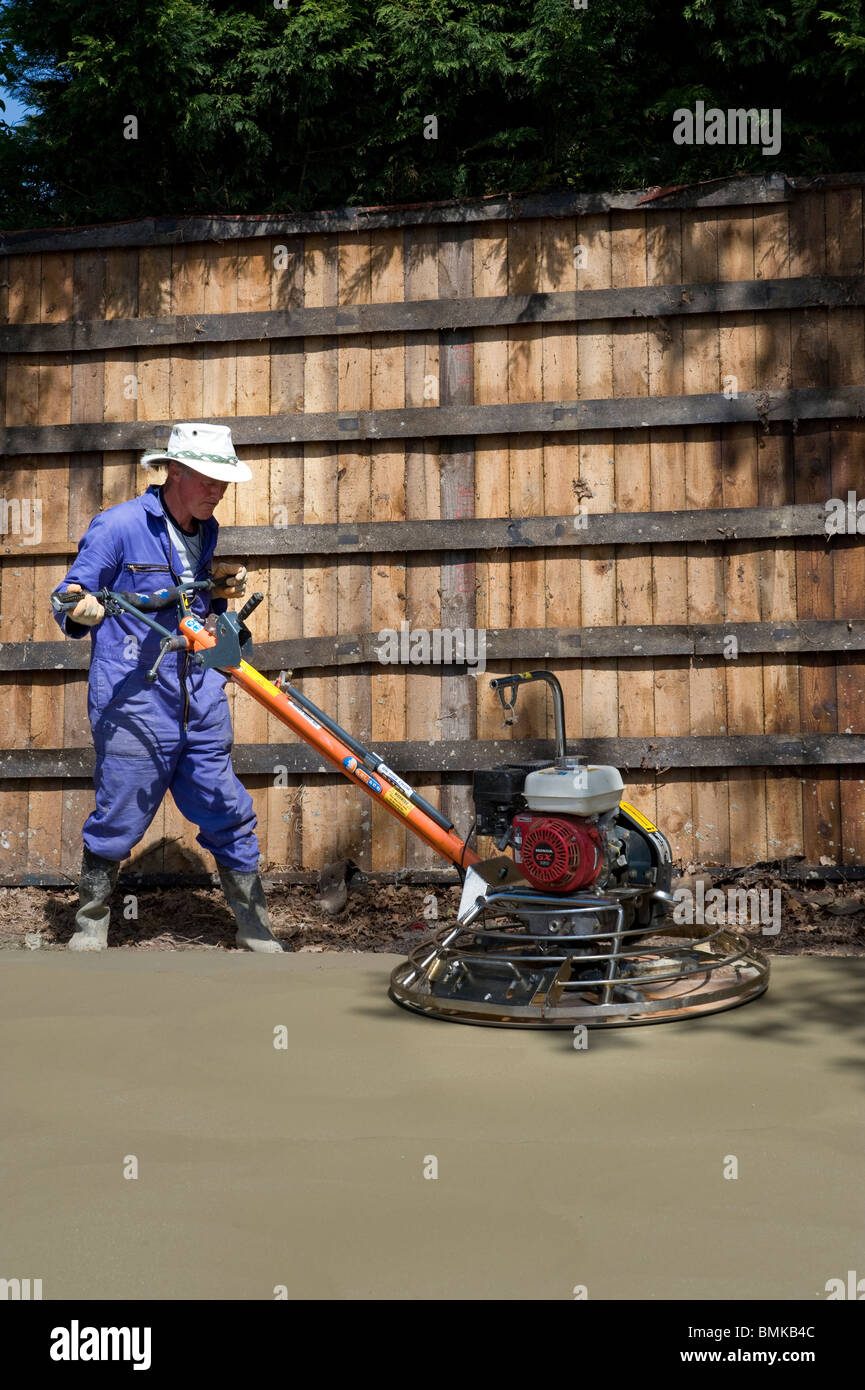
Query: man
point(174, 735)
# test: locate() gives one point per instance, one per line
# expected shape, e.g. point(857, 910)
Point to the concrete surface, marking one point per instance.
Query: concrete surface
point(304, 1167)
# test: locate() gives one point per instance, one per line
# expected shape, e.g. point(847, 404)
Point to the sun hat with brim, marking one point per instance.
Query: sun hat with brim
point(207, 449)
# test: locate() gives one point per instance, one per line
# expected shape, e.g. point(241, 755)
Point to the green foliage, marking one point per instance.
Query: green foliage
point(323, 103)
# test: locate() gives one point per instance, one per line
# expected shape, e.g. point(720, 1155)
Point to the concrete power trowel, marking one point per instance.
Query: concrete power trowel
point(573, 927)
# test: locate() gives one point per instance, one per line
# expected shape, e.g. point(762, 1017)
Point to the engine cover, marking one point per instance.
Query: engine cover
point(558, 853)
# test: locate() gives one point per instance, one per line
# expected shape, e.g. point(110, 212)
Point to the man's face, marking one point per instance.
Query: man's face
point(193, 492)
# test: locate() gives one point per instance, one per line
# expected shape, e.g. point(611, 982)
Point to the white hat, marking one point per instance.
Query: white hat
point(206, 448)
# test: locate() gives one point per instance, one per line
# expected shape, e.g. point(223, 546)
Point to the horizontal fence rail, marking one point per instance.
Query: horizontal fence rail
point(425, 422)
point(425, 315)
point(462, 756)
point(500, 644)
point(498, 533)
point(173, 231)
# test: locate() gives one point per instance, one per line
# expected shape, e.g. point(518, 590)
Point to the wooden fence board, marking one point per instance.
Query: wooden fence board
point(702, 372)
point(633, 572)
point(595, 484)
point(669, 567)
point(355, 700)
point(818, 694)
point(740, 445)
point(386, 471)
point(457, 484)
point(775, 465)
point(422, 499)
point(844, 251)
point(23, 301)
point(560, 379)
point(322, 285)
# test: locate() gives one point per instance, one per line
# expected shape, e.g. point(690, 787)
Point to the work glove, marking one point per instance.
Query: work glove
point(89, 611)
point(230, 579)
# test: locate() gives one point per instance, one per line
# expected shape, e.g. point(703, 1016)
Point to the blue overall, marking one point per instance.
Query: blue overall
point(174, 735)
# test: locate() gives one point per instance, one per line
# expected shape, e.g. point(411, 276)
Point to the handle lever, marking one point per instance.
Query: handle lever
point(251, 603)
point(168, 644)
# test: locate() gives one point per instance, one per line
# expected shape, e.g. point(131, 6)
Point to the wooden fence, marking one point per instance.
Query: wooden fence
point(601, 430)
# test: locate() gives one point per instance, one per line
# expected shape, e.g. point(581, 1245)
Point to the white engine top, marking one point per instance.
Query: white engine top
point(574, 791)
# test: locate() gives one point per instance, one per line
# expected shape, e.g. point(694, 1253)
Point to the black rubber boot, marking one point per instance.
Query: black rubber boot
point(97, 883)
point(245, 896)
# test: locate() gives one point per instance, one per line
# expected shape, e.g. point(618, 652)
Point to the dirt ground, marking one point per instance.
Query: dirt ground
point(817, 918)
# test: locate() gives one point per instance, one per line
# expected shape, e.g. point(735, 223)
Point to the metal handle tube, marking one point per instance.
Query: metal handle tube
point(334, 747)
point(304, 718)
point(372, 760)
point(501, 683)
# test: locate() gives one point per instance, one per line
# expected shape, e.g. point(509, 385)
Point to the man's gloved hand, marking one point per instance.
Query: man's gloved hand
point(230, 579)
point(89, 611)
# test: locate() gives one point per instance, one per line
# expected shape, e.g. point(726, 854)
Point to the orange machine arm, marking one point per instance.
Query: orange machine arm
point(382, 789)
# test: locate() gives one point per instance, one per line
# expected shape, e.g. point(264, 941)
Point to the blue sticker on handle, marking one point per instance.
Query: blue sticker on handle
point(351, 765)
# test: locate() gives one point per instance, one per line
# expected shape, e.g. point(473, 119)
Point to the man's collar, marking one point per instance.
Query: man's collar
point(150, 500)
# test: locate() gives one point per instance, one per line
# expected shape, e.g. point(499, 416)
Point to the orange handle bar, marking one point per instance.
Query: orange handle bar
point(445, 842)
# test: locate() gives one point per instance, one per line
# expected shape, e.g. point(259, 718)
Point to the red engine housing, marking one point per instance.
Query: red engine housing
point(559, 853)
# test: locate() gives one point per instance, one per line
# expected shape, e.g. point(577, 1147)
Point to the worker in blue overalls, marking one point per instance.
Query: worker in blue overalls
point(175, 734)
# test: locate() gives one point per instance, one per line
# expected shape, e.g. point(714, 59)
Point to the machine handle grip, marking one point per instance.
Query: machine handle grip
point(251, 603)
point(501, 682)
point(64, 602)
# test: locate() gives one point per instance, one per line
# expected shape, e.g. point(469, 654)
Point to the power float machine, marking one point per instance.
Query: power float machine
point(573, 926)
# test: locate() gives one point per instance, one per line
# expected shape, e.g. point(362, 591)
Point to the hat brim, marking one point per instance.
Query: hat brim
point(227, 472)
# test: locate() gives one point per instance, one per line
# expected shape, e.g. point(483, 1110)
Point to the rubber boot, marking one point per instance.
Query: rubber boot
point(97, 883)
point(245, 896)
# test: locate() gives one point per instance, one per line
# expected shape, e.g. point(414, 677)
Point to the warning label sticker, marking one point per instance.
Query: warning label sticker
point(258, 679)
point(256, 676)
point(398, 801)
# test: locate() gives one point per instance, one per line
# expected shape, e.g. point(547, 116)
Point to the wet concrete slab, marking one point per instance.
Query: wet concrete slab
point(304, 1166)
